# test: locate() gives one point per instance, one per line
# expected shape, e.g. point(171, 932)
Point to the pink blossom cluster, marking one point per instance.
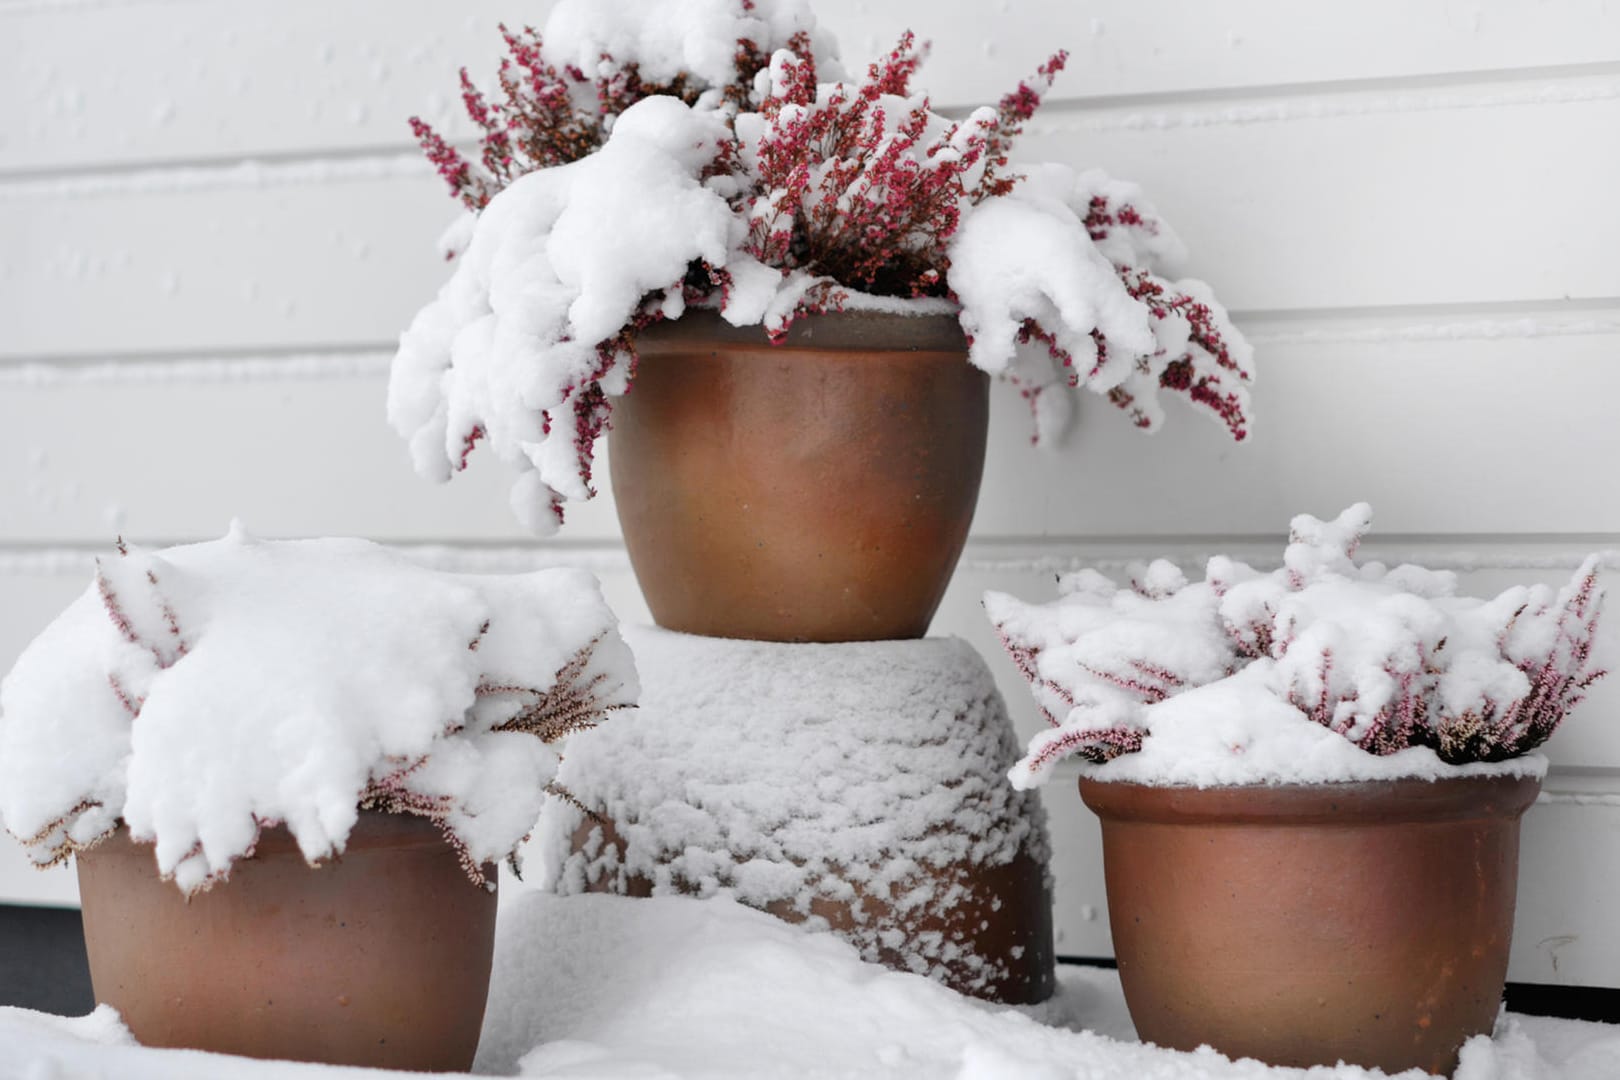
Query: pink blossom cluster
point(848, 191)
point(546, 115)
point(1389, 659)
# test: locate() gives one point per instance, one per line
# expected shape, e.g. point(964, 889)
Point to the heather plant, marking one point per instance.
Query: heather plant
point(203, 693)
point(1387, 660)
point(640, 160)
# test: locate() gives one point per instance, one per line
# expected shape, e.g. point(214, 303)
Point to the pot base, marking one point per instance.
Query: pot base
point(378, 958)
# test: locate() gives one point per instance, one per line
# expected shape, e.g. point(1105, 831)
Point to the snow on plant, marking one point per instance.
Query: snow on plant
point(642, 158)
point(1382, 660)
point(201, 693)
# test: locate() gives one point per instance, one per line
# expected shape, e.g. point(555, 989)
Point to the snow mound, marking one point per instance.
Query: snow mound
point(1324, 670)
point(292, 681)
point(854, 785)
point(605, 988)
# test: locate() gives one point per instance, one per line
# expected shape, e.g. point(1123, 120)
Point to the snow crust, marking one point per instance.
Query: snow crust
point(558, 262)
point(1293, 676)
point(668, 37)
point(287, 681)
point(599, 987)
point(866, 776)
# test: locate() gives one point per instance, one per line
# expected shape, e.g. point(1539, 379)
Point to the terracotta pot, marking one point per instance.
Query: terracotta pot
point(379, 958)
point(1305, 924)
point(819, 490)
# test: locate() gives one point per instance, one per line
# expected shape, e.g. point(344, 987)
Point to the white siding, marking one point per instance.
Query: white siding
point(213, 224)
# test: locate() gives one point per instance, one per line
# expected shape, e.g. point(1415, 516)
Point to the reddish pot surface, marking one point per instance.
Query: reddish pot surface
point(1305, 924)
point(379, 958)
point(818, 490)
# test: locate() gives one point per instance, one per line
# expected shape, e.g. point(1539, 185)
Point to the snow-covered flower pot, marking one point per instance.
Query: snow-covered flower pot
point(854, 788)
point(642, 161)
point(817, 490)
point(1310, 783)
point(288, 768)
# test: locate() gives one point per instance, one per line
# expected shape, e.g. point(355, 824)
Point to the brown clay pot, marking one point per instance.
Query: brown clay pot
point(380, 958)
point(1308, 924)
point(818, 490)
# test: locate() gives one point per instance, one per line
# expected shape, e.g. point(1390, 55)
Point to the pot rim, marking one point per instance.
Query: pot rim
point(372, 830)
point(872, 330)
point(1406, 800)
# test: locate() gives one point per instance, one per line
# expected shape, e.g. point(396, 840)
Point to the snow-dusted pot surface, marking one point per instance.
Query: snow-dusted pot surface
point(816, 490)
point(859, 786)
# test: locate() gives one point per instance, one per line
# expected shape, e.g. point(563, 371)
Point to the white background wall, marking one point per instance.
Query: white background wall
point(213, 224)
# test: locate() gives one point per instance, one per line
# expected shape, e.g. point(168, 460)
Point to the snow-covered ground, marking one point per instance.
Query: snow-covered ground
point(595, 987)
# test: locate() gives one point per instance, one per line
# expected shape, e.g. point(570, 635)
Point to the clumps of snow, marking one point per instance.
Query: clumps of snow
point(1324, 670)
point(514, 349)
point(853, 786)
point(202, 692)
point(670, 38)
point(758, 181)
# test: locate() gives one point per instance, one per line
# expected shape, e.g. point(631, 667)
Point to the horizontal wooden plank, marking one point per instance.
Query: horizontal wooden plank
point(292, 76)
point(1331, 208)
point(1564, 932)
point(239, 79)
point(1444, 435)
point(1341, 211)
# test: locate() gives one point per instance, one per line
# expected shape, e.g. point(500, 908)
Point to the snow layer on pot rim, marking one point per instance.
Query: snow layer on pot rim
point(201, 692)
point(1323, 670)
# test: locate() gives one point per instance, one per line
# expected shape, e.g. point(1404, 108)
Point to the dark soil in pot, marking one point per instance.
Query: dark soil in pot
point(1305, 924)
point(379, 958)
point(818, 490)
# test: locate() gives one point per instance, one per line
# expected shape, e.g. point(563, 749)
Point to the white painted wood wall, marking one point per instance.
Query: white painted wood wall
point(213, 224)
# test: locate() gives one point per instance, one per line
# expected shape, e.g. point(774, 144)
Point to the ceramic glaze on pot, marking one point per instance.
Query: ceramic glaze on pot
point(1305, 924)
point(818, 490)
point(380, 958)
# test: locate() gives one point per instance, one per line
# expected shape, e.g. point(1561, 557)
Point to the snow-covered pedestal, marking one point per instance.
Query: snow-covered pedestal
point(861, 787)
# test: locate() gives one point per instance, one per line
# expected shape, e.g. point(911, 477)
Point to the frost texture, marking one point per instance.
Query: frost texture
point(203, 692)
point(643, 158)
point(851, 782)
point(1323, 670)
